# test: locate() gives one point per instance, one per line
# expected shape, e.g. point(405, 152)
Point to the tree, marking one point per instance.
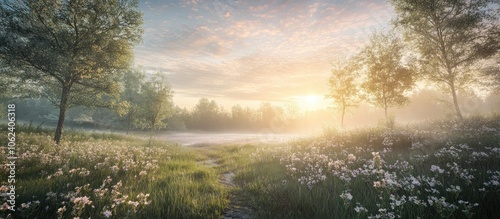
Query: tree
point(132, 84)
point(450, 35)
point(492, 73)
point(267, 114)
point(243, 118)
point(343, 88)
point(156, 104)
point(15, 87)
point(73, 47)
point(207, 114)
point(387, 77)
point(272, 117)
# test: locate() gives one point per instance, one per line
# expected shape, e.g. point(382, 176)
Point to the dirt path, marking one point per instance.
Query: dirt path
point(236, 209)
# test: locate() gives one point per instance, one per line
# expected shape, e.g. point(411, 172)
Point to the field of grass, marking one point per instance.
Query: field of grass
point(440, 169)
point(109, 176)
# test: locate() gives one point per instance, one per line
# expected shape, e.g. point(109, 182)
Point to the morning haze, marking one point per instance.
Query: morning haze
point(250, 109)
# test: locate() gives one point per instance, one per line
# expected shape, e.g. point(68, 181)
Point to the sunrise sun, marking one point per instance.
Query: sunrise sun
point(310, 102)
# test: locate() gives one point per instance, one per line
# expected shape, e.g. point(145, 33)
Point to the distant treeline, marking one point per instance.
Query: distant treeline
point(207, 115)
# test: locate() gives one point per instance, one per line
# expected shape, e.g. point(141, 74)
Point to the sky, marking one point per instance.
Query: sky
point(248, 52)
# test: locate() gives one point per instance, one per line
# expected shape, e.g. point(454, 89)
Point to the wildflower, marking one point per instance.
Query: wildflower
point(454, 189)
point(134, 205)
point(416, 201)
point(388, 142)
point(26, 205)
point(81, 201)
point(100, 192)
point(107, 213)
point(377, 160)
point(61, 211)
point(5, 206)
point(467, 208)
point(59, 172)
point(143, 198)
point(379, 184)
point(346, 197)
point(360, 209)
point(115, 169)
point(351, 157)
point(436, 169)
point(416, 145)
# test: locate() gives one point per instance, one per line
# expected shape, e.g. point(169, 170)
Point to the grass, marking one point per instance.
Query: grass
point(118, 174)
point(437, 169)
point(440, 169)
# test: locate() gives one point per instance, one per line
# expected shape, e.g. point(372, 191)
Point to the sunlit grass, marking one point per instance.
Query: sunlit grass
point(441, 169)
point(110, 176)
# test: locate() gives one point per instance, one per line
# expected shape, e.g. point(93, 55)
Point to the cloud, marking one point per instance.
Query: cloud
point(255, 50)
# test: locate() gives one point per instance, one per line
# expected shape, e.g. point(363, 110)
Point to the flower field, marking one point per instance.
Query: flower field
point(439, 169)
point(443, 169)
point(106, 176)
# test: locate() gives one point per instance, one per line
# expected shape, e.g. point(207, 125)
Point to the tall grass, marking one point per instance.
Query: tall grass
point(99, 175)
point(440, 169)
point(437, 169)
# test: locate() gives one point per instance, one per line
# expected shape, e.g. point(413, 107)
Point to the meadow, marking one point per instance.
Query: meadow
point(109, 176)
point(437, 169)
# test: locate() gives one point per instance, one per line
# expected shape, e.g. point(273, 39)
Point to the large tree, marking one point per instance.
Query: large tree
point(70, 46)
point(388, 78)
point(156, 103)
point(450, 35)
point(344, 90)
point(133, 81)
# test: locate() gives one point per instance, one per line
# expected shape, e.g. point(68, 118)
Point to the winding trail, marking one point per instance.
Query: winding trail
point(237, 208)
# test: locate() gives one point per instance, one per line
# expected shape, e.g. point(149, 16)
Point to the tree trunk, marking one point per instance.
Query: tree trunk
point(342, 120)
point(151, 133)
point(129, 121)
point(62, 113)
point(455, 101)
point(385, 111)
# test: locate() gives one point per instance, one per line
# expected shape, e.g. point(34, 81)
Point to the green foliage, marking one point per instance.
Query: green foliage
point(155, 103)
point(243, 117)
point(132, 82)
point(450, 36)
point(64, 43)
point(207, 114)
point(387, 77)
point(343, 87)
point(2, 111)
point(491, 73)
point(74, 49)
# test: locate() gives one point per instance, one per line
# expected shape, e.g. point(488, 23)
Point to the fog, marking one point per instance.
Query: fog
point(271, 123)
point(205, 139)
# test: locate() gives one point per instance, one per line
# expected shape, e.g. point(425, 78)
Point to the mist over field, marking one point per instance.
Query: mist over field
point(250, 109)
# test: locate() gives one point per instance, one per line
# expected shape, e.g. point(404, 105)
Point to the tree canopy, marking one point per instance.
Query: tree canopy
point(387, 76)
point(155, 103)
point(74, 48)
point(344, 90)
point(450, 36)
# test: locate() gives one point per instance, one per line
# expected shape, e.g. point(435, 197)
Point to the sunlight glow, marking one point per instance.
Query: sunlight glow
point(310, 102)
